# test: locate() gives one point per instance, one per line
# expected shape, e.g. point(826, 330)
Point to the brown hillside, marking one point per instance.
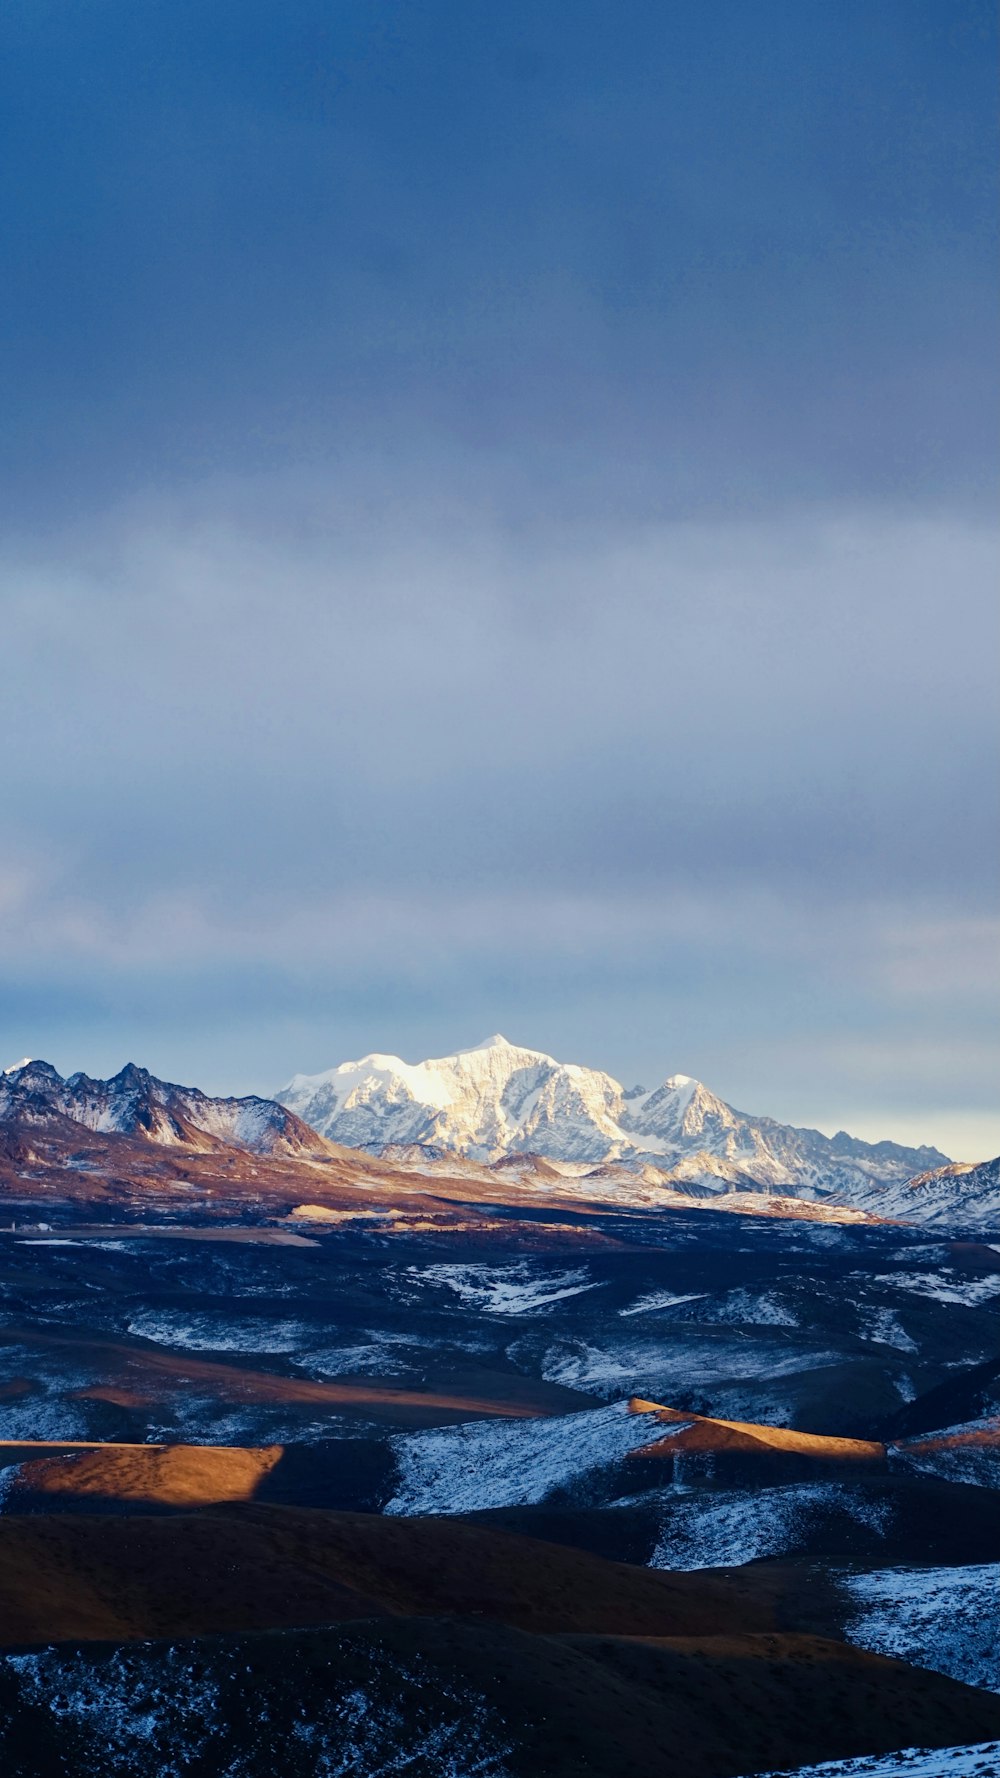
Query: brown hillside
point(985, 1437)
point(726, 1705)
point(613, 1707)
point(148, 1475)
point(147, 1372)
point(596, 1667)
point(701, 1434)
point(114, 1577)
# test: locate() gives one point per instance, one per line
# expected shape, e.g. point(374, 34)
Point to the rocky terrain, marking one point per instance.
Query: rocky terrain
point(34, 1097)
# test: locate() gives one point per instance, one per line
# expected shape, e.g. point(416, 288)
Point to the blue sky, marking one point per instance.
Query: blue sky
point(498, 531)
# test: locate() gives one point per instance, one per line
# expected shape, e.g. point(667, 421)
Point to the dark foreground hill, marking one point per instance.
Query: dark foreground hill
point(67, 1577)
point(449, 1647)
point(448, 1695)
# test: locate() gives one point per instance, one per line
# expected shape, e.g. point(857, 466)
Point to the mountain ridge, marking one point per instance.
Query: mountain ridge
point(499, 1099)
point(134, 1102)
point(491, 1114)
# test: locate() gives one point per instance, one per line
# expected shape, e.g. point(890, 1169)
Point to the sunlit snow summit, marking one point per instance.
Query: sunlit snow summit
point(497, 1100)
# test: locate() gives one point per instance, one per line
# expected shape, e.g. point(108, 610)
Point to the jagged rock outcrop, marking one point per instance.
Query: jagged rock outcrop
point(34, 1096)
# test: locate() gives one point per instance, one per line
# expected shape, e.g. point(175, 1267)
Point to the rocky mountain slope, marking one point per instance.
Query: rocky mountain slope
point(35, 1098)
point(937, 1195)
point(498, 1100)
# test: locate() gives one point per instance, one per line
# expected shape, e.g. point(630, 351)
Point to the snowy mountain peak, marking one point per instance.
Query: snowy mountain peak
point(498, 1100)
point(134, 1103)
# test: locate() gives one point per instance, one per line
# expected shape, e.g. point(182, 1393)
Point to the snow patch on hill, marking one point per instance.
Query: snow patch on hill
point(946, 1286)
point(977, 1760)
point(515, 1289)
point(947, 1619)
point(488, 1463)
point(216, 1333)
point(706, 1528)
point(128, 1714)
point(662, 1299)
point(968, 1452)
point(658, 1371)
point(882, 1328)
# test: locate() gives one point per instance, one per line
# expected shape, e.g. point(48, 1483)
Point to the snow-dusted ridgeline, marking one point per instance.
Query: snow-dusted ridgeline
point(134, 1103)
point(497, 1100)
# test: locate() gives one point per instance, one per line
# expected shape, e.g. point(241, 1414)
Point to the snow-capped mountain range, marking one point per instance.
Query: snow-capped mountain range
point(135, 1103)
point(516, 1112)
point(497, 1100)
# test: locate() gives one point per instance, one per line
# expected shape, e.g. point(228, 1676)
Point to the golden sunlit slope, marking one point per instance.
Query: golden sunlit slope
point(699, 1433)
point(142, 1475)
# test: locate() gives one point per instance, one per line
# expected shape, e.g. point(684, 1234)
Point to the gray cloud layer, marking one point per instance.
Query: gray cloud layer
point(497, 533)
point(658, 789)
